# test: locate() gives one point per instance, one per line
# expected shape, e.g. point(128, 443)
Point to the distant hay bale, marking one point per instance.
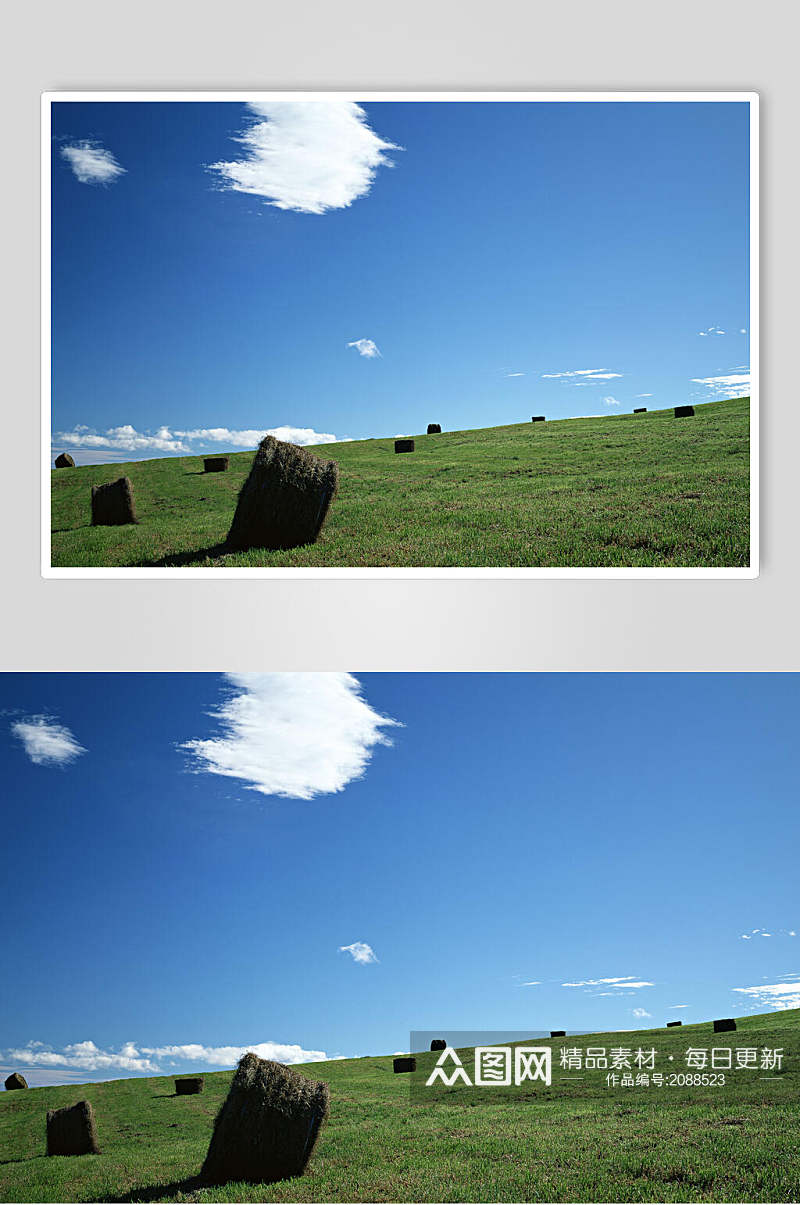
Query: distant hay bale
point(404, 445)
point(71, 1131)
point(434, 429)
point(112, 504)
point(725, 1025)
point(684, 411)
point(65, 461)
point(404, 1064)
point(537, 418)
point(15, 1080)
point(285, 499)
point(215, 464)
point(558, 1033)
point(672, 1024)
point(268, 1124)
point(190, 1085)
point(640, 410)
point(438, 1044)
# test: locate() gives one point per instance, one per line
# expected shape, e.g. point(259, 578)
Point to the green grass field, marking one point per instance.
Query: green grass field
point(627, 490)
point(577, 1140)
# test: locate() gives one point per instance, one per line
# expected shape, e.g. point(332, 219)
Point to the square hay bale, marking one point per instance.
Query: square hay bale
point(404, 1064)
point(215, 464)
point(112, 504)
point(285, 499)
point(190, 1085)
point(434, 429)
point(684, 411)
point(672, 1024)
point(640, 410)
point(558, 1033)
point(268, 1125)
point(71, 1131)
point(14, 1081)
point(404, 445)
point(64, 461)
point(538, 418)
point(725, 1025)
point(438, 1044)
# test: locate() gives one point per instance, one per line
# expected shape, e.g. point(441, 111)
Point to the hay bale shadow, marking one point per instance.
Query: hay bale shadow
point(155, 1192)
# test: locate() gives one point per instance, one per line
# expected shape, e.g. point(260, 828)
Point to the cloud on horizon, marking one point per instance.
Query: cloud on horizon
point(360, 952)
point(46, 742)
point(180, 443)
point(779, 996)
point(306, 156)
point(294, 735)
point(733, 384)
point(91, 163)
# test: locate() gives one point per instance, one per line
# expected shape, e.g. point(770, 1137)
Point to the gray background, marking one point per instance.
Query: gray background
point(400, 624)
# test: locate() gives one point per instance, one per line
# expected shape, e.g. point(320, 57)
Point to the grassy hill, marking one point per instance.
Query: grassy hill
point(577, 1140)
point(624, 490)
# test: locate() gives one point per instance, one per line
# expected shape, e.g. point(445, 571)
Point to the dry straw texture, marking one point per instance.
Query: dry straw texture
point(215, 464)
point(404, 1064)
point(725, 1025)
point(284, 501)
point(65, 461)
point(404, 445)
point(15, 1080)
point(112, 504)
point(71, 1131)
point(684, 411)
point(268, 1126)
point(434, 429)
point(190, 1085)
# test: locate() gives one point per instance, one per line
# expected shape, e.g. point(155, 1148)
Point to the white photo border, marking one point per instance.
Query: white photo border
point(750, 98)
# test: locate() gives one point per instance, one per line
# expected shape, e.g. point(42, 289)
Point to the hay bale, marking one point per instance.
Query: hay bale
point(672, 1024)
point(404, 445)
point(112, 504)
point(640, 410)
point(15, 1080)
point(558, 1033)
point(285, 499)
point(190, 1085)
point(434, 429)
point(65, 461)
point(404, 1064)
point(215, 464)
point(725, 1025)
point(268, 1124)
point(71, 1131)
point(537, 418)
point(438, 1044)
point(684, 411)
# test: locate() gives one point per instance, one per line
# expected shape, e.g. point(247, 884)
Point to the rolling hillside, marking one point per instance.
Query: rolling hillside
point(578, 1140)
point(620, 490)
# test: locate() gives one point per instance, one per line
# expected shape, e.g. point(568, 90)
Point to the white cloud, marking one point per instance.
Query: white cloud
point(625, 981)
point(306, 156)
point(360, 951)
point(734, 384)
point(743, 330)
point(592, 374)
point(87, 1056)
point(365, 347)
point(640, 1012)
point(644, 395)
point(46, 742)
point(515, 374)
point(712, 330)
point(610, 401)
point(763, 933)
point(679, 1006)
point(530, 983)
point(92, 163)
point(127, 439)
point(296, 735)
point(773, 995)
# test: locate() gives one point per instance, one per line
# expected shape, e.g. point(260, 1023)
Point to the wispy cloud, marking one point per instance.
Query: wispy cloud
point(644, 395)
point(360, 951)
point(530, 983)
point(680, 1006)
point(515, 374)
point(87, 1056)
point(46, 742)
point(773, 995)
point(640, 1012)
point(589, 374)
point(622, 981)
point(763, 933)
point(712, 330)
point(306, 156)
point(610, 401)
point(365, 347)
point(296, 735)
point(731, 385)
point(91, 163)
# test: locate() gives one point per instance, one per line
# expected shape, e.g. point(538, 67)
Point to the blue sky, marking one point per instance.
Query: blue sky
point(319, 864)
point(347, 272)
